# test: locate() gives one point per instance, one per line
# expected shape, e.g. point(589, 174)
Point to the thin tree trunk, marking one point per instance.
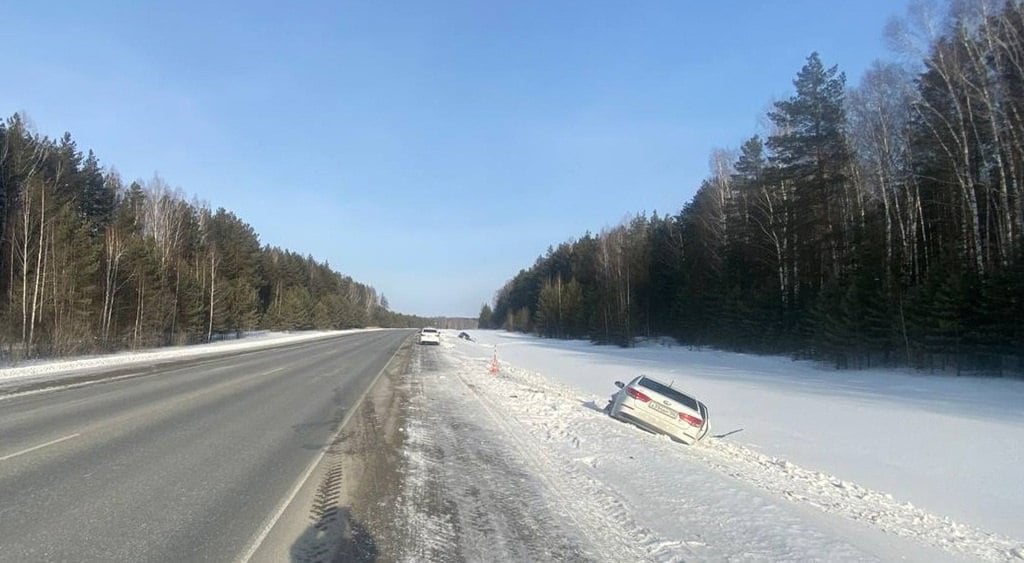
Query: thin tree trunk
point(139, 310)
point(213, 285)
point(26, 216)
point(39, 271)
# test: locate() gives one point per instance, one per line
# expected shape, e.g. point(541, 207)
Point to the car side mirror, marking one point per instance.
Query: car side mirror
point(620, 384)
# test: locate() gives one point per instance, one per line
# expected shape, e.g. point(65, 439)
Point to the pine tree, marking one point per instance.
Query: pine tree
point(810, 153)
point(485, 318)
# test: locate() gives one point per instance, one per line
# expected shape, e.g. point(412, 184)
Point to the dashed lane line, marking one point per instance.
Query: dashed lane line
point(39, 447)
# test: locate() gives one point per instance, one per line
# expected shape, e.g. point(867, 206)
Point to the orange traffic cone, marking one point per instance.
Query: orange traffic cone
point(495, 367)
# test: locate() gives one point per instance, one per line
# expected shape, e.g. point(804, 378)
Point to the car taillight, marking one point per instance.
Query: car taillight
point(637, 395)
point(690, 419)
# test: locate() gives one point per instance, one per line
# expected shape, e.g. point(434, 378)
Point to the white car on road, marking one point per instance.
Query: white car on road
point(430, 336)
point(658, 407)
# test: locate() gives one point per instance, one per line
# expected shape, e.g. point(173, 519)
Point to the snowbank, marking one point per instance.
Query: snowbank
point(38, 370)
point(950, 446)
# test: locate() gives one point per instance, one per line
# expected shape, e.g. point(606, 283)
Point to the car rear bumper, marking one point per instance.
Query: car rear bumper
point(640, 414)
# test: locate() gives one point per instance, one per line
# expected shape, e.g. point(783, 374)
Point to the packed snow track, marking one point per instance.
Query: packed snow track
point(516, 466)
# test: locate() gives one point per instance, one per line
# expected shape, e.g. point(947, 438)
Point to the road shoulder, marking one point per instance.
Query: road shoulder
point(331, 515)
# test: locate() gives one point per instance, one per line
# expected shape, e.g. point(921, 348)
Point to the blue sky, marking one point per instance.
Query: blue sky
point(430, 149)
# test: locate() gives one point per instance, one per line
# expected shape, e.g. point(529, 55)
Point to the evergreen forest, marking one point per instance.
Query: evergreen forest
point(90, 264)
point(874, 224)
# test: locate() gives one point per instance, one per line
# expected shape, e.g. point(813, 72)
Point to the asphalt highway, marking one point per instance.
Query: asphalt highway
point(186, 462)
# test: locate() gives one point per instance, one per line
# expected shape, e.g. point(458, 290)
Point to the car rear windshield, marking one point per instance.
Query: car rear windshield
point(428, 330)
point(670, 393)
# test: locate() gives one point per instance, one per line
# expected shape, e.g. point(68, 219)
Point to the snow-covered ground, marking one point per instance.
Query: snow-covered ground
point(52, 369)
point(867, 465)
point(829, 466)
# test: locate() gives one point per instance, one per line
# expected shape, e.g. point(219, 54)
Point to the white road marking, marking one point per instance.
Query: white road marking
point(269, 525)
point(40, 446)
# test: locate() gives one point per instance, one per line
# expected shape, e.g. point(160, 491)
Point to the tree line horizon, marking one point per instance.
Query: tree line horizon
point(89, 263)
point(876, 225)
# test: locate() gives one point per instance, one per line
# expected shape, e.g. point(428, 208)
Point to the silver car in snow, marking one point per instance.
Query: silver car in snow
point(657, 407)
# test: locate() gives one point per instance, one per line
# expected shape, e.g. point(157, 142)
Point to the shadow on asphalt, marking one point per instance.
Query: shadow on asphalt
point(354, 511)
point(320, 543)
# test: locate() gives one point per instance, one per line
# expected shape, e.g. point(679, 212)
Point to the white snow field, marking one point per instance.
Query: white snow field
point(54, 369)
point(830, 465)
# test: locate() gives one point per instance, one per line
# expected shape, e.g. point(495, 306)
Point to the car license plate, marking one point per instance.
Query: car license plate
point(662, 409)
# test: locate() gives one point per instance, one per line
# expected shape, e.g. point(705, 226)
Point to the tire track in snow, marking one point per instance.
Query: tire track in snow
point(431, 530)
point(464, 497)
point(600, 514)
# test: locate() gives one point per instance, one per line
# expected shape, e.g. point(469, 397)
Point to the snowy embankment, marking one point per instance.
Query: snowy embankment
point(831, 465)
point(55, 369)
